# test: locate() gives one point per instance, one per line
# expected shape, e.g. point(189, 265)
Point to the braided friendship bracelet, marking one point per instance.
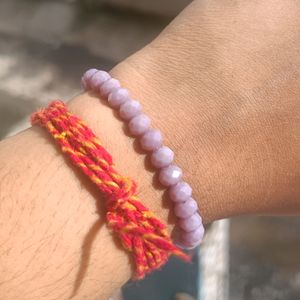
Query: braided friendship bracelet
point(141, 233)
point(180, 192)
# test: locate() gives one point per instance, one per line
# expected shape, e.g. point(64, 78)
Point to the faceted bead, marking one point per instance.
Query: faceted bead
point(86, 77)
point(151, 140)
point(130, 109)
point(118, 97)
point(186, 209)
point(89, 73)
point(97, 79)
point(193, 238)
point(180, 192)
point(170, 175)
point(162, 157)
point(109, 86)
point(191, 223)
point(139, 124)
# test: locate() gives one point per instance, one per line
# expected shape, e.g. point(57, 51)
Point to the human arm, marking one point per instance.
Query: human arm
point(222, 84)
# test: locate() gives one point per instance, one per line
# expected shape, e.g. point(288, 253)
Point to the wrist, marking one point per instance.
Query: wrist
point(129, 158)
point(214, 143)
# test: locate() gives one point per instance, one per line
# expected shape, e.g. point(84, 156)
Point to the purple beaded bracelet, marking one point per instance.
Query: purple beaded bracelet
point(180, 192)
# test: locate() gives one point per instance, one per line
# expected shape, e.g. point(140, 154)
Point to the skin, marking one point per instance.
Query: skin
point(222, 83)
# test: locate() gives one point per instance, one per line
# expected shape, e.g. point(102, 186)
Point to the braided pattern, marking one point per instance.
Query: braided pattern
point(141, 233)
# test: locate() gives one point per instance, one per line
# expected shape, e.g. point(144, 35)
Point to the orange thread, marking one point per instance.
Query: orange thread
point(141, 233)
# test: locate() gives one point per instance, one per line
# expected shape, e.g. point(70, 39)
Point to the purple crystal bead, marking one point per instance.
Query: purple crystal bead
point(118, 97)
point(97, 79)
point(162, 157)
point(170, 175)
point(180, 192)
point(193, 238)
point(86, 77)
point(139, 124)
point(151, 140)
point(186, 209)
point(130, 109)
point(191, 223)
point(109, 86)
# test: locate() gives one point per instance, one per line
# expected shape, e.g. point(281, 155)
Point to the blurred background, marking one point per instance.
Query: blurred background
point(45, 46)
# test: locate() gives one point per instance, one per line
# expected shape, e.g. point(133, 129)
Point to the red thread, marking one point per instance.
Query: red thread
point(141, 233)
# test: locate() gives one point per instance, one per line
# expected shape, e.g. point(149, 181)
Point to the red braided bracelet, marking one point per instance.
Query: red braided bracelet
point(141, 233)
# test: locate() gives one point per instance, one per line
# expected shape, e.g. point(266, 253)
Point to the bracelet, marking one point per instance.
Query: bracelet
point(140, 232)
point(186, 208)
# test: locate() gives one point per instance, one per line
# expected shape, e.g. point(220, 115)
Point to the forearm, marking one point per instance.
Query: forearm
point(54, 240)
